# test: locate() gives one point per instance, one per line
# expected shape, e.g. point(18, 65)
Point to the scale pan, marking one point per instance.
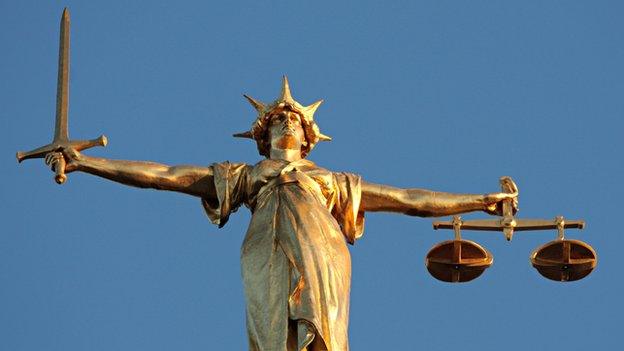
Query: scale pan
point(457, 261)
point(564, 260)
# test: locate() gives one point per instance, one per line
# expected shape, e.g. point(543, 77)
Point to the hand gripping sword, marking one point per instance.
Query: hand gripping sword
point(61, 139)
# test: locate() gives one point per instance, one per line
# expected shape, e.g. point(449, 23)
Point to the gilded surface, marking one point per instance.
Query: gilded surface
point(295, 261)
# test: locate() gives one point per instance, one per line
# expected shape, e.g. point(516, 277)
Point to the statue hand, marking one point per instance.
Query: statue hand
point(494, 201)
point(70, 158)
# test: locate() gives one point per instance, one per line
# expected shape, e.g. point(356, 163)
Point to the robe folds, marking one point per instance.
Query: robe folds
point(296, 266)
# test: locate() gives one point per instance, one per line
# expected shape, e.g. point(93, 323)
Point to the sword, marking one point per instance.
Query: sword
point(61, 139)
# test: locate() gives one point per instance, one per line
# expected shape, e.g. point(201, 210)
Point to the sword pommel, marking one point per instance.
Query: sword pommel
point(59, 169)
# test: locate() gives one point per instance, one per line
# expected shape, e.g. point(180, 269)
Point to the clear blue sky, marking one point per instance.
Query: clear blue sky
point(445, 95)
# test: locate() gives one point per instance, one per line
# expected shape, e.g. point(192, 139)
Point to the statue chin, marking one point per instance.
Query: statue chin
point(288, 142)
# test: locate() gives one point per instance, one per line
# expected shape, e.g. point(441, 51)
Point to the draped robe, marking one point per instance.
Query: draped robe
point(296, 266)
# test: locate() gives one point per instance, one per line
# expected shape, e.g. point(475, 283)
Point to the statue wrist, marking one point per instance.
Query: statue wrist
point(483, 203)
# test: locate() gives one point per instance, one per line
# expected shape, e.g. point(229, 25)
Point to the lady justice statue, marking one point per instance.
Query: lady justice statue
point(295, 262)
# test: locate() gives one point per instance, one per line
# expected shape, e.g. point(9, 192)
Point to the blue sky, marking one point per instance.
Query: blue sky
point(445, 95)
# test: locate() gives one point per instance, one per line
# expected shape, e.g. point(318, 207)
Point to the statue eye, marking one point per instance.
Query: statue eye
point(275, 119)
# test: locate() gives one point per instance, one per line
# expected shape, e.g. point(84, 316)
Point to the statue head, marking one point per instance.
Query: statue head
point(293, 124)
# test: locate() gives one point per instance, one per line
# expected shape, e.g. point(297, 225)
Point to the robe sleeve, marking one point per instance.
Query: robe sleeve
point(346, 210)
point(229, 191)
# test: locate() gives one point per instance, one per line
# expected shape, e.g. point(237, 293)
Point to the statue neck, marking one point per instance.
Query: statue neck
point(285, 154)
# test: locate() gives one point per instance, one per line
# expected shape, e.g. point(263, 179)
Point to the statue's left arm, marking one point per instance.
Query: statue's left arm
point(427, 203)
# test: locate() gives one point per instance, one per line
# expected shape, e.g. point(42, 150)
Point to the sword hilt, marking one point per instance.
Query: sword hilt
point(57, 146)
point(59, 169)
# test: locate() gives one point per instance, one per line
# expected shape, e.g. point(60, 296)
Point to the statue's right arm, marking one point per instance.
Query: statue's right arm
point(192, 180)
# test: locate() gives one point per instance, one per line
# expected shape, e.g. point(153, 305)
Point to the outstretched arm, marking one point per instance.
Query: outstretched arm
point(426, 203)
point(192, 180)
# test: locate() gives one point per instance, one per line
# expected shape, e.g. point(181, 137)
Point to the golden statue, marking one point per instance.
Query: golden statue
point(296, 266)
point(295, 262)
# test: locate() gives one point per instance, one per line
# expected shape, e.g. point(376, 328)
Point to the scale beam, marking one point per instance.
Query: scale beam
point(507, 223)
point(497, 225)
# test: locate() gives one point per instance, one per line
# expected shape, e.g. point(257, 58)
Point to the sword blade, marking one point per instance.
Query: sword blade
point(62, 86)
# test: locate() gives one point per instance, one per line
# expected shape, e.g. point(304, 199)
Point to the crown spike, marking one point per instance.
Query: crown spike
point(286, 91)
point(323, 137)
point(246, 134)
point(259, 106)
point(312, 108)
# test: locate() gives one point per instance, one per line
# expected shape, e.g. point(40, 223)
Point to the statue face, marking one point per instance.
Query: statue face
point(285, 130)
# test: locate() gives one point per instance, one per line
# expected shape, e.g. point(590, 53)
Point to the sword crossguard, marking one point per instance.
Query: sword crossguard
point(59, 146)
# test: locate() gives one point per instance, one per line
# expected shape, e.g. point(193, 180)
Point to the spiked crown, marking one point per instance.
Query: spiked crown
point(259, 129)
